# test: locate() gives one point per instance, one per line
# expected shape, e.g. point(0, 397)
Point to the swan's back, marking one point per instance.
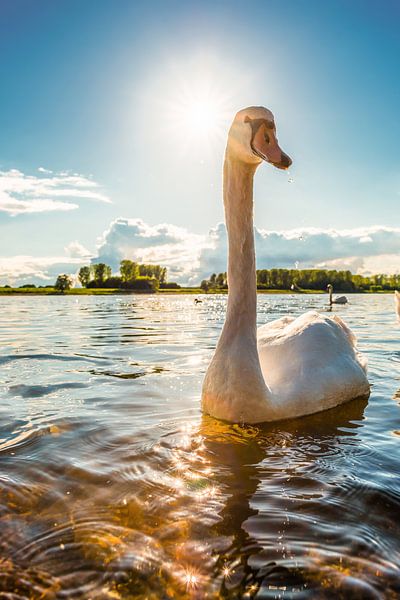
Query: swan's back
point(310, 363)
point(340, 300)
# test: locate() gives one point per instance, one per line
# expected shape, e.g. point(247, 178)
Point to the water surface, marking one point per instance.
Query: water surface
point(113, 485)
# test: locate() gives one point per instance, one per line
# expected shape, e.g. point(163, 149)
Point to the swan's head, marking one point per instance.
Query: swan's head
point(252, 138)
point(329, 287)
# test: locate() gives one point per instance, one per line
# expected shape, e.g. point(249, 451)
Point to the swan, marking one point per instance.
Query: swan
point(292, 366)
point(397, 303)
point(338, 299)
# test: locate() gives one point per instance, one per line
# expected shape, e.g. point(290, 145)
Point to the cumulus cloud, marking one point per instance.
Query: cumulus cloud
point(77, 250)
point(168, 245)
point(191, 257)
point(40, 270)
point(21, 193)
point(362, 250)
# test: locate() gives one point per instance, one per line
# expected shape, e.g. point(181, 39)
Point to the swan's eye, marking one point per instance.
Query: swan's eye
point(266, 137)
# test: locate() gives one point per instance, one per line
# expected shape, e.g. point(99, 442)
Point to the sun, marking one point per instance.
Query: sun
point(200, 116)
point(187, 106)
point(199, 113)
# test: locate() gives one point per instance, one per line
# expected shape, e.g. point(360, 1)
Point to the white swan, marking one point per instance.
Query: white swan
point(338, 299)
point(290, 367)
point(397, 303)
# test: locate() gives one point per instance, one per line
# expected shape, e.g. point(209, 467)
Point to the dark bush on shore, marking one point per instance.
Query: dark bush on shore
point(170, 286)
point(110, 282)
point(149, 284)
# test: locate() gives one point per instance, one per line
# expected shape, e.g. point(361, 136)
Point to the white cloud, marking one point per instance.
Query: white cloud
point(368, 265)
point(361, 250)
point(76, 250)
point(190, 257)
point(21, 193)
point(14, 207)
point(41, 270)
point(165, 244)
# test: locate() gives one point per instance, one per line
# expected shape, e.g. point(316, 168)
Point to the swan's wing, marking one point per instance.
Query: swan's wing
point(397, 303)
point(311, 363)
point(340, 300)
point(352, 340)
point(348, 332)
point(273, 329)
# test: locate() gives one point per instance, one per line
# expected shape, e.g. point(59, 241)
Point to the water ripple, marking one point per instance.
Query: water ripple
point(112, 485)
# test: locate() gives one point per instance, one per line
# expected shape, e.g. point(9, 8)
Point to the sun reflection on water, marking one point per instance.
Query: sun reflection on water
point(118, 488)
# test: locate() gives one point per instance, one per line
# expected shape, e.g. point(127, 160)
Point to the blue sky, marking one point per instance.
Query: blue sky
point(95, 88)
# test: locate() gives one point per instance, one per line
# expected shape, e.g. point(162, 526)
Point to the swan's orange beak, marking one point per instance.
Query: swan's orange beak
point(265, 145)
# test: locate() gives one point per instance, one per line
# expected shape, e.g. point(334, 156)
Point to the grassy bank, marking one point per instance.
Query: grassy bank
point(50, 291)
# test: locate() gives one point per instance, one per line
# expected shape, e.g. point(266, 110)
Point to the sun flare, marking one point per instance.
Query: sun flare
point(200, 117)
point(199, 113)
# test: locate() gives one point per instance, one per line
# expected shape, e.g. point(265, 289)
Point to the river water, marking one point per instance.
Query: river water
point(113, 485)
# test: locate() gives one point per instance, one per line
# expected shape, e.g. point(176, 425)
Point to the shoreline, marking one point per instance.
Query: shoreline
point(115, 291)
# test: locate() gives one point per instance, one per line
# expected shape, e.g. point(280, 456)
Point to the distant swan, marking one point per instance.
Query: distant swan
point(338, 299)
point(292, 366)
point(397, 303)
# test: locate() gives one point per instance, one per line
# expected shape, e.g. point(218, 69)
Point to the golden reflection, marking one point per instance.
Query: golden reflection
point(227, 572)
point(191, 579)
point(184, 529)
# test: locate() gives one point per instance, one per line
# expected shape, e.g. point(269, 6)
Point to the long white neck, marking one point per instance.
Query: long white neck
point(234, 387)
point(238, 202)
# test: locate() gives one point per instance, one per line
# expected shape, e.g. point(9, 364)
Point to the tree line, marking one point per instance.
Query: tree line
point(310, 279)
point(132, 276)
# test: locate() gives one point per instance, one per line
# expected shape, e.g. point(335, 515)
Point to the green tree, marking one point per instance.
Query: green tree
point(163, 276)
point(157, 272)
point(84, 276)
point(101, 272)
point(145, 270)
point(205, 285)
point(64, 282)
point(220, 279)
point(129, 270)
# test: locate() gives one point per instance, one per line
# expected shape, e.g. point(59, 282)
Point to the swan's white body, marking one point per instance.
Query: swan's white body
point(292, 366)
point(397, 303)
